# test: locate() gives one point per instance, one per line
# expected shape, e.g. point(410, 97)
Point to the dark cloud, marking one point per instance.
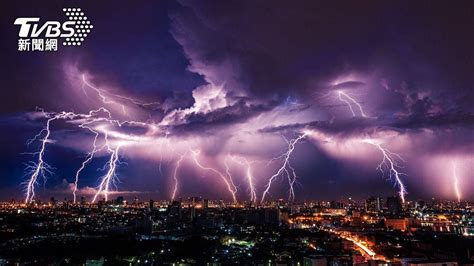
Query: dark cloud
point(358, 126)
point(209, 123)
point(266, 49)
point(439, 121)
point(287, 48)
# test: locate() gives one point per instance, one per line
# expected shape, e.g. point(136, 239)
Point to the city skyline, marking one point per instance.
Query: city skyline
point(188, 99)
point(373, 232)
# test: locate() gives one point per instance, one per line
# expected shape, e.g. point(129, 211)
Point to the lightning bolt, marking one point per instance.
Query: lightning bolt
point(284, 168)
point(456, 181)
point(389, 162)
point(91, 154)
point(291, 176)
point(175, 176)
point(110, 98)
point(346, 98)
point(230, 185)
point(41, 168)
point(101, 93)
point(110, 176)
point(389, 158)
point(229, 175)
point(249, 176)
point(89, 157)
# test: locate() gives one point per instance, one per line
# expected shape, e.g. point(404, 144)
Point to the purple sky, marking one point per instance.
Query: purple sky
point(247, 100)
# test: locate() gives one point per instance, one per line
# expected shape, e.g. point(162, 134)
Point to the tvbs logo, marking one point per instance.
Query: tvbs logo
point(35, 35)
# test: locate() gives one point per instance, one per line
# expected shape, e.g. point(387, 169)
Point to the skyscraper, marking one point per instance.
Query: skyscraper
point(373, 205)
point(394, 205)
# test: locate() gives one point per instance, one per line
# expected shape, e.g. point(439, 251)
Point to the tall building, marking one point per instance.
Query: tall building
point(394, 205)
point(373, 205)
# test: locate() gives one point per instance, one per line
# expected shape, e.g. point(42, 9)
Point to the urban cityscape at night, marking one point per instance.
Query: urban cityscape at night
point(377, 231)
point(237, 132)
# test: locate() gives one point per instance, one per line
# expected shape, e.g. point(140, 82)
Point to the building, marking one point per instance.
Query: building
point(394, 205)
point(336, 205)
point(373, 205)
point(175, 209)
point(396, 224)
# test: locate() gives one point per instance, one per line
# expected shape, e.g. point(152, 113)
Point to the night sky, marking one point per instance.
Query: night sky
point(218, 94)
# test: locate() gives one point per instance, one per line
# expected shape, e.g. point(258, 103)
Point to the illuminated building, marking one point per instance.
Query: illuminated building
point(373, 205)
point(396, 224)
